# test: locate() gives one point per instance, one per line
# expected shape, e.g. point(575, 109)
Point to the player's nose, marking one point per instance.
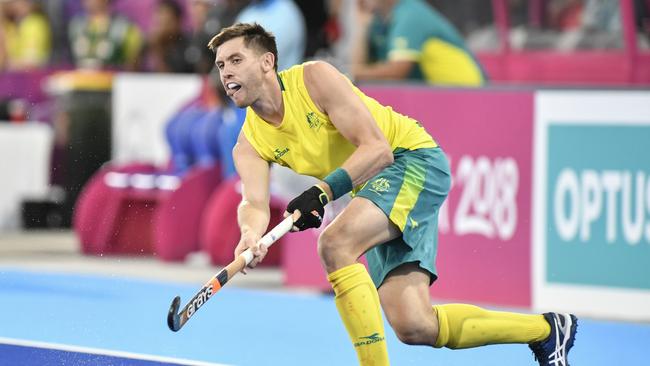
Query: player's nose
point(225, 73)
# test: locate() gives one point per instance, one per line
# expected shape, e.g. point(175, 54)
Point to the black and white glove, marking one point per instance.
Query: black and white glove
point(311, 205)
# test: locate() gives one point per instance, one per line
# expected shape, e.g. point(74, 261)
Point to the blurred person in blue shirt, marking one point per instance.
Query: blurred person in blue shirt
point(205, 131)
point(284, 19)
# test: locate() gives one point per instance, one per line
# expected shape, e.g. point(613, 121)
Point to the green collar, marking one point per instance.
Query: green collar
point(281, 83)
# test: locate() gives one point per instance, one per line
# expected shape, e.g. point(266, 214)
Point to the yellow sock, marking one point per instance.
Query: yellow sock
point(358, 304)
point(465, 326)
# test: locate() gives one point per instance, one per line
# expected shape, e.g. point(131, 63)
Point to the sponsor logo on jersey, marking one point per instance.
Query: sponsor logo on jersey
point(278, 153)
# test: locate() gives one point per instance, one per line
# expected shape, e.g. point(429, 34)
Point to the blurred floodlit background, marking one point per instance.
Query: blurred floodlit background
point(115, 140)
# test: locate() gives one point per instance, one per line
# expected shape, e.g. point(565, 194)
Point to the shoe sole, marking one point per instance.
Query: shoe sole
point(572, 335)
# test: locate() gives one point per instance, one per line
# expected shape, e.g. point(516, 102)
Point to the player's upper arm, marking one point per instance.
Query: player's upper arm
point(253, 172)
point(334, 95)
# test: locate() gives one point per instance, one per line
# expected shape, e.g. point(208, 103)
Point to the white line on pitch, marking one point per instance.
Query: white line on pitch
point(104, 352)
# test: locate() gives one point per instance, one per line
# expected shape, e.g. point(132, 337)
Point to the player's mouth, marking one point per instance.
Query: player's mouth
point(232, 88)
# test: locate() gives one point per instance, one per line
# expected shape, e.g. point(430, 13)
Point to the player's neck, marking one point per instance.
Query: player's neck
point(270, 105)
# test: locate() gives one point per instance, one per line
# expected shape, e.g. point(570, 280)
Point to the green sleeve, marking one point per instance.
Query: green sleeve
point(406, 36)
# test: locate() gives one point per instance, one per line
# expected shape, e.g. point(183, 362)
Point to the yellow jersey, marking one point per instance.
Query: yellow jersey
point(308, 142)
point(28, 42)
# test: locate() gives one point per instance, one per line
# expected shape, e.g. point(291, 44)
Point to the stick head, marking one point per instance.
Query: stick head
point(173, 319)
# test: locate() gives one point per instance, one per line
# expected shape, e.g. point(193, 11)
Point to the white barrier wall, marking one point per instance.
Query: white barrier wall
point(142, 105)
point(591, 234)
point(25, 151)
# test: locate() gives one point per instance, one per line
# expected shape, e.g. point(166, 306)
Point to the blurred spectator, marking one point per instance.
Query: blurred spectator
point(409, 39)
point(205, 130)
point(586, 24)
point(224, 14)
point(232, 120)
point(317, 22)
point(100, 39)
point(4, 21)
point(466, 15)
point(25, 38)
point(285, 21)
point(339, 33)
point(167, 45)
point(565, 15)
point(475, 21)
point(602, 14)
point(208, 17)
point(568, 25)
point(59, 19)
point(601, 25)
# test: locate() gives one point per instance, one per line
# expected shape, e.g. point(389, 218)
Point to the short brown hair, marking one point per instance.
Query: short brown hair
point(254, 36)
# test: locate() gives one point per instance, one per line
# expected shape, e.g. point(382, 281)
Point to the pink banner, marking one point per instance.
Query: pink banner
point(484, 243)
point(485, 238)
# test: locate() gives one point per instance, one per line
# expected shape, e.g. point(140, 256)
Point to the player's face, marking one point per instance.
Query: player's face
point(240, 70)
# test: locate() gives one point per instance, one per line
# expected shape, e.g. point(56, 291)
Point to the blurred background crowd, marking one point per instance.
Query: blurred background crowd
point(171, 35)
point(58, 60)
point(116, 140)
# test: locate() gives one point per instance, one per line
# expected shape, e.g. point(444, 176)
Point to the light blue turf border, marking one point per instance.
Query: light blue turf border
point(244, 327)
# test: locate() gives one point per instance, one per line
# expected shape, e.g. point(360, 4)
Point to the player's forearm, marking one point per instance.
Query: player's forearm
point(252, 218)
point(378, 71)
point(363, 164)
point(367, 161)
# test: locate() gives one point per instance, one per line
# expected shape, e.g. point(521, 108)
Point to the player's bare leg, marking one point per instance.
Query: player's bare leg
point(359, 227)
point(405, 299)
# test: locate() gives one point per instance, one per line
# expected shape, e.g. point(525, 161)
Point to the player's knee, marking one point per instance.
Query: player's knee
point(334, 249)
point(415, 333)
point(410, 327)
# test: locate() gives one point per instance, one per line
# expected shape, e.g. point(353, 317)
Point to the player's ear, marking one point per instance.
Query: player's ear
point(268, 61)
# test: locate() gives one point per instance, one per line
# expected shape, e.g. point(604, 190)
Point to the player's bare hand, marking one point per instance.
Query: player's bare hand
point(251, 241)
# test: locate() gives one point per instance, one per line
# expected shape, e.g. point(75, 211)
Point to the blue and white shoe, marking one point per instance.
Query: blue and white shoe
point(555, 349)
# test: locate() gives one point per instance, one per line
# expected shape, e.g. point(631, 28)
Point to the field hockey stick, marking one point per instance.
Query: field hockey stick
point(176, 320)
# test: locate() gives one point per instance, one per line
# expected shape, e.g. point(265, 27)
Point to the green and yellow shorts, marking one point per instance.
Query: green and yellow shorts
point(410, 192)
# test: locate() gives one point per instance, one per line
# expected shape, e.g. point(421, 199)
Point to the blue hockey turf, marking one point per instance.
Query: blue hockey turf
point(55, 319)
